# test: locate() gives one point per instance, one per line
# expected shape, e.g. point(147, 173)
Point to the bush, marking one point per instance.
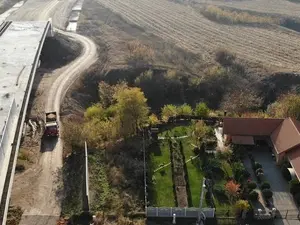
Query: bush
point(219, 190)
point(224, 57)
point(267, 193)
point(265, 185)
point(253, 196)
point(259, 170)
point(201, 110)
point(294, 186)
point(260, 177)
point(257, 166)
point(286, 173)
point(252, 185)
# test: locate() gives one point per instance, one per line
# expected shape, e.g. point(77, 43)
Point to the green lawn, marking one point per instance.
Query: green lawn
point(162, 180)
point(194, 172)
point(163, 185)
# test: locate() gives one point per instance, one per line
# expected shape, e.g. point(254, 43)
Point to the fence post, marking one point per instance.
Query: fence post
point(185, 212)
point(156, 211)
point(171, 212)
point(287, 211)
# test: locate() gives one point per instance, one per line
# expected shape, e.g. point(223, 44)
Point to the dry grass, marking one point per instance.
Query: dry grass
point(235, 17)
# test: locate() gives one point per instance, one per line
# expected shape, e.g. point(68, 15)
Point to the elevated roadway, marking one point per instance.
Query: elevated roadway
point(20, 47)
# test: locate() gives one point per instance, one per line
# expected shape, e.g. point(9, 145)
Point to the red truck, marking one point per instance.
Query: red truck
point(51, 126)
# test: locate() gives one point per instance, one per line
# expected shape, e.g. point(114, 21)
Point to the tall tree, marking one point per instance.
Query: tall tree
point(200, 130)
point(240, 101)
point(107, 92)
point(168, 111)
point(185, 110)
point(153, 120)
point(287, 106)
point(132, 109)
point(201, 110)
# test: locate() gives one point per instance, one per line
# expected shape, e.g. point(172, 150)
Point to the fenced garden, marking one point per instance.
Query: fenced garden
point(181, 159)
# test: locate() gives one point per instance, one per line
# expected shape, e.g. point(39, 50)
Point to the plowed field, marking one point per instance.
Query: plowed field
point(180, 24)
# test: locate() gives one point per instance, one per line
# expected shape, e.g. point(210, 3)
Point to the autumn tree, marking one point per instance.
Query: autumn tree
point(168, 111)
point(185, 110)
point(153, 120)
point(287, 106)
point(200, 130)
point(139, 53)
point(201, 110)
point(95, 111)
point(240, 101)
point(132, 110)
point(107, 92)
point(232, 190)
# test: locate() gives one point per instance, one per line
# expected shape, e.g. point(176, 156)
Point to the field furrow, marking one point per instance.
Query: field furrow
point(190, 30)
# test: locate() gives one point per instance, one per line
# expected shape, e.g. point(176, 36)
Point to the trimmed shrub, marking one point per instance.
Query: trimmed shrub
point(252, 185)
point(265, 185)
point(294, 186)
point(253, 196)
point(257, 166)
point(286, 173)
point(267, 193)
point(259, 170)
point(260, 177)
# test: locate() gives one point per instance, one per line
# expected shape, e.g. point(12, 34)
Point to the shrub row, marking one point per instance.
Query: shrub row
point(264, 185)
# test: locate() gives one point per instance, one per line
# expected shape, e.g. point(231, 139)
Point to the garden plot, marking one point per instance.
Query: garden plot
point(178, 168)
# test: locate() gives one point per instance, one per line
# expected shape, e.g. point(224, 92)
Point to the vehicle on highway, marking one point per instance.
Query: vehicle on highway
point(51, 126)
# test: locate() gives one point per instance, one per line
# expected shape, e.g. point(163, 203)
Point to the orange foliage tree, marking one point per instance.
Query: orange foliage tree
point(232, 189)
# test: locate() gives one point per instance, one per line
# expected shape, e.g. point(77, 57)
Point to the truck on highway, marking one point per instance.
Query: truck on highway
point(51, 126)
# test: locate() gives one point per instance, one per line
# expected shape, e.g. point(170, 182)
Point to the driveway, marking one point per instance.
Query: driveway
point(282, 198)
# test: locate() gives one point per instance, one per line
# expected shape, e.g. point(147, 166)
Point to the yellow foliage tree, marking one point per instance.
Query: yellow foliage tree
point(200, 130)
point(153, 120)
point(168, 111)
point(287, 106)
point(132, 110)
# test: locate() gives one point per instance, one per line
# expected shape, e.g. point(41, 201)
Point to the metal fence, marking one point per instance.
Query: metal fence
point(179, 212)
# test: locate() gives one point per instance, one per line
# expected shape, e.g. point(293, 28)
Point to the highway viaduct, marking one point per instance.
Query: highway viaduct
point(20, 48)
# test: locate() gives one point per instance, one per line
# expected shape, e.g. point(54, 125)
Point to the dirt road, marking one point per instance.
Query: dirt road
point(45, 206)
point(189, 30)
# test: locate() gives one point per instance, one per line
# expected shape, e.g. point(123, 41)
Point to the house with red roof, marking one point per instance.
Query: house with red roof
point(282, 135)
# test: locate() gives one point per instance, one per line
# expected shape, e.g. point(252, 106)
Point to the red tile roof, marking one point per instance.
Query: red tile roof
point(284, 133)
point(250, 126)
point(286, 136)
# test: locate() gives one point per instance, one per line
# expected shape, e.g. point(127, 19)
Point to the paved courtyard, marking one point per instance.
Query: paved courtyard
point(282, 198)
